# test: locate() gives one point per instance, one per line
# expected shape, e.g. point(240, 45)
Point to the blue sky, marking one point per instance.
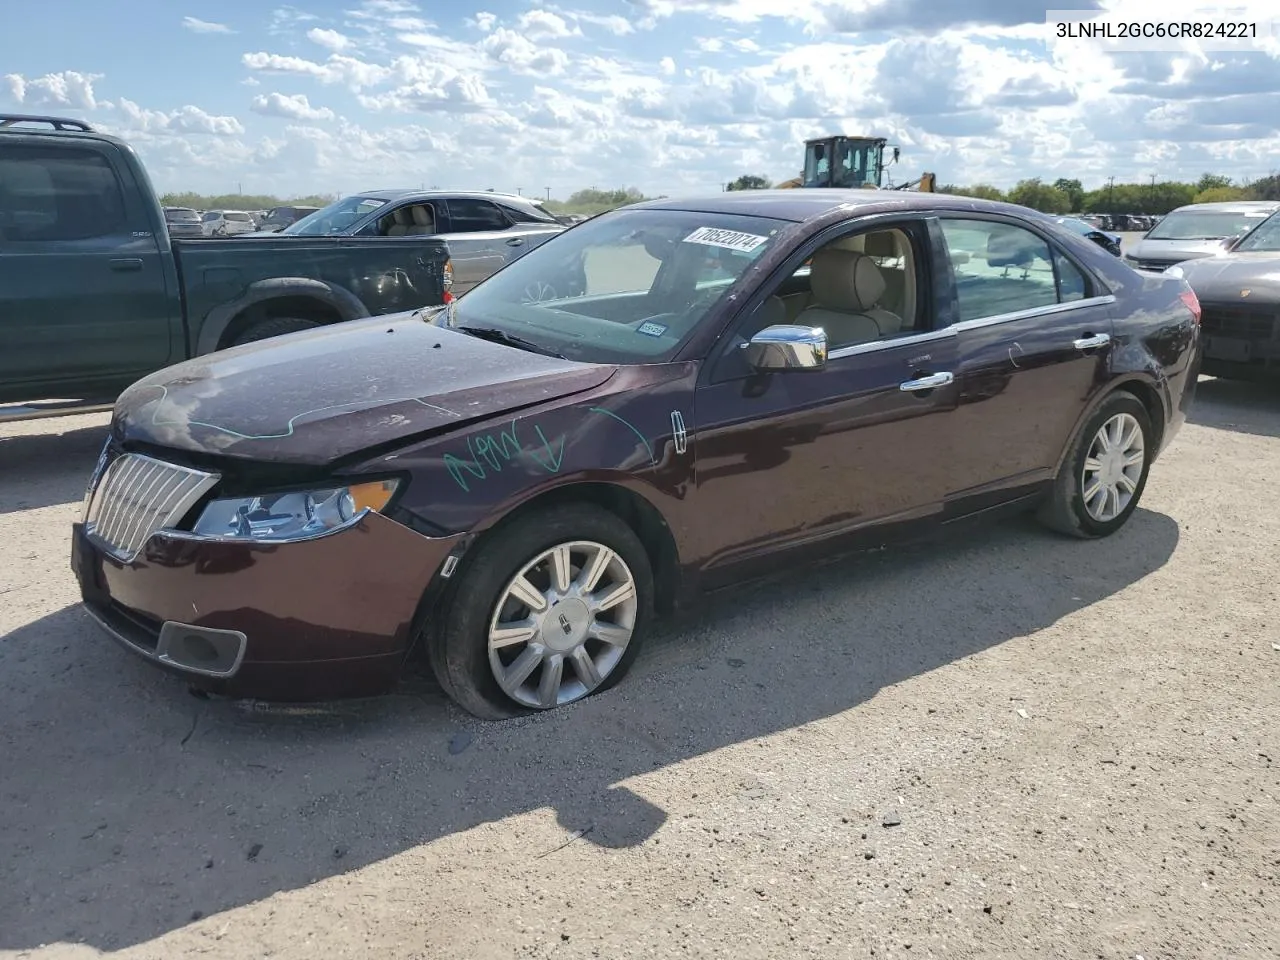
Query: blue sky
point(670, 96)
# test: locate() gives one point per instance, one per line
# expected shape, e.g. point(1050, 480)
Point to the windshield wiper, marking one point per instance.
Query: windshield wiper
point(494, 335)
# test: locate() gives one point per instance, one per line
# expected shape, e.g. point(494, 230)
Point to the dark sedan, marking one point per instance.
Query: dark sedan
point(666, 399)
point(1240, 294)
point(1109, 242)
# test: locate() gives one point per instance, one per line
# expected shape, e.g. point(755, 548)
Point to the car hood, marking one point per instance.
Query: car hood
point(322, 395)
point(1234, 277)
point(1173, 251)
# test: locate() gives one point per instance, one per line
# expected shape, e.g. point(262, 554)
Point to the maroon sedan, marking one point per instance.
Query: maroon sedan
point(663, 400)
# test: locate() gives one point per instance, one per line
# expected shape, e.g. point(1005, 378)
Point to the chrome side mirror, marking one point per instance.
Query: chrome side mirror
point(787, 347)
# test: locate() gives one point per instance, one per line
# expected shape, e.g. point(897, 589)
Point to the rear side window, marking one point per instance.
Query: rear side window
point(58, 194)
point(469, 216)
point(1000, 268)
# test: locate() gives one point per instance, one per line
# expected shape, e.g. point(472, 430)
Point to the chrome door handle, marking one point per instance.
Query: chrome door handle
point(515, 241)
point(126, 263)
point(1088, 343)
point(930, 382)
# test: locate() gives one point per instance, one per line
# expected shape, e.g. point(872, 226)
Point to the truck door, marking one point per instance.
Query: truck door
point(84, 289)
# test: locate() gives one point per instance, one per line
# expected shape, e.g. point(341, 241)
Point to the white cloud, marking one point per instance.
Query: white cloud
point(967, 91)
point(330, 39)
point(292, 107)
point(545, 25)
point(67, 88)
point(204, 26)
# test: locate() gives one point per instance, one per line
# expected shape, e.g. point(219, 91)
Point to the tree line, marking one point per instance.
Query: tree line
point(1069, 196)
point(242, 201)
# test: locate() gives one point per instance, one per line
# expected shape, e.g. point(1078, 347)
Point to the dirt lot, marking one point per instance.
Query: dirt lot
point(1009, 745)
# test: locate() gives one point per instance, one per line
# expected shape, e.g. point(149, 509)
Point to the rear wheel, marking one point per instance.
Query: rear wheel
point(1105, 472)
point(549, 611)
point(274, 327)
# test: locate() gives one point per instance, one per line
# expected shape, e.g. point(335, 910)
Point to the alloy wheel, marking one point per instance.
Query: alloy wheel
point(562, 624)
point(1113, 467)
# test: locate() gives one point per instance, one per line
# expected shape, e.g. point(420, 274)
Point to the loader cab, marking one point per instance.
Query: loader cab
point(845, 162)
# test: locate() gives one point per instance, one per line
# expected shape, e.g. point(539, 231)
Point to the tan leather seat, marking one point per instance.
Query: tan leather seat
point(401, 221)
point(424, 222)
point(884, 245)
point(847, 287)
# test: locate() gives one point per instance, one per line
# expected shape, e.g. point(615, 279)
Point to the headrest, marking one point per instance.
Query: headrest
point(402, 217)
point(844, 280)
point(882, 244)
point(1009, 247)
point(422, 216)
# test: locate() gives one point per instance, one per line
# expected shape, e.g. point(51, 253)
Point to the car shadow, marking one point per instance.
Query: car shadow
point(1238, 405)
point(132, 807)
point(36, 470)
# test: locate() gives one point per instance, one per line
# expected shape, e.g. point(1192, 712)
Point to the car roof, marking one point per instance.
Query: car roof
point(806, 203)
point(400, 193)
point(1231, 206)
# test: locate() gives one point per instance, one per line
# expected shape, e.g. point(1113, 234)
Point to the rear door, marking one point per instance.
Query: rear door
point(84, 289)
point(1034, 334)
point(486, 251)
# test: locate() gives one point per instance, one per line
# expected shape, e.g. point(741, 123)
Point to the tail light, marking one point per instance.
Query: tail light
point(1193, 303)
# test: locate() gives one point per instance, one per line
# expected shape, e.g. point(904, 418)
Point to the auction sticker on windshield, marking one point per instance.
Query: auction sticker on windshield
point(728, 239)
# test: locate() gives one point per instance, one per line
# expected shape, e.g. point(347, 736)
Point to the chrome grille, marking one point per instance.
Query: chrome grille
point(137, 496)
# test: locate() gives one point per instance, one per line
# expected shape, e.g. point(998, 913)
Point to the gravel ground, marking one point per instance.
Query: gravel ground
point(1003, 745)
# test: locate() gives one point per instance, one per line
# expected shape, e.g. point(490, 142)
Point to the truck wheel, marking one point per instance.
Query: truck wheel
point(275, 327)
point(548, 611)
point(1105, 472)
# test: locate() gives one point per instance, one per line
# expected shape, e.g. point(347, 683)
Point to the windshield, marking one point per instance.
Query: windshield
point(1265, 236)
point(625, 287)
point(212, 215)
point(334, 218)
point(1206, 225)
point(179, 215)
point(238, 216)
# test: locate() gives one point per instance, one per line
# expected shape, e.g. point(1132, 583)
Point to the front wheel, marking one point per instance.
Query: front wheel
point(272, 327)
point(549, 611)
point(1105, 472)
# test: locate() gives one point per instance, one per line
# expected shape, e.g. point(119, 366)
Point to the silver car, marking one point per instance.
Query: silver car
point(1197, 230)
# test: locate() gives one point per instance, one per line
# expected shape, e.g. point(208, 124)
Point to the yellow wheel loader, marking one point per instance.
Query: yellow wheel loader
point(852, 163)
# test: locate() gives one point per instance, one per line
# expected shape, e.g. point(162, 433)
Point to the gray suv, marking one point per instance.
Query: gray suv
point(1197, 230)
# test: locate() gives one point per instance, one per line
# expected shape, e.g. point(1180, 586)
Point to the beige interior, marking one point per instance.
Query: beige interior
point(412, 221)
point(862, 288)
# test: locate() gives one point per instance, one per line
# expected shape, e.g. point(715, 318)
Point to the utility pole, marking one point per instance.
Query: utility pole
point(1111, 192)
point(548, 189)
point(519, 191)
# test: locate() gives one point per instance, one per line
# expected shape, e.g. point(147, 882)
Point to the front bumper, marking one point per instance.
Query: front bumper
point(320, 619)
point(1242, 340)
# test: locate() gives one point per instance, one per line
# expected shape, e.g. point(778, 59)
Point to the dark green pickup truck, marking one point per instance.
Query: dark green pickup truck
point(94, 294)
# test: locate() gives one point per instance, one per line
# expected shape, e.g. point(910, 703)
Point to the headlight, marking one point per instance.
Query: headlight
point(1175, 271)
point(296, 515)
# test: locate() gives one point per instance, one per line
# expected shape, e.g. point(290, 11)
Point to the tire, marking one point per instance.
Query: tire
point(1066, 510)
point(458, 646)
point(275, 327)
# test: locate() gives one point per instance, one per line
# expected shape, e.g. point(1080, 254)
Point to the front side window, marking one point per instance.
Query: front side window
point(58, 194)
point(626, 287)
point(473, 216)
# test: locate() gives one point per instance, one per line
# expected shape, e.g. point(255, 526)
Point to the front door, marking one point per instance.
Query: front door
point(83, 280)
point(806, 458)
